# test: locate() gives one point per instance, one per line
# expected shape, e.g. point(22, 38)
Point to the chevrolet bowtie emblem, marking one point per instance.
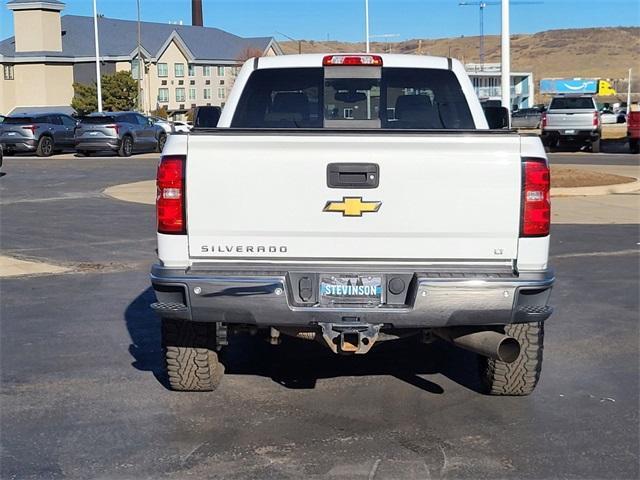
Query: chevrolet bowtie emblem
point(352, 206)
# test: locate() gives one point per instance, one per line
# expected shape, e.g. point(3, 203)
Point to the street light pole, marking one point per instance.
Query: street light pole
point(366, 25)
point(506, 57)
point(98, 79)
point(629, 94)
point(140, 64)
point(293, 40)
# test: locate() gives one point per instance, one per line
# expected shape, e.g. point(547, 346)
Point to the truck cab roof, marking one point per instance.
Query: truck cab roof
point(388, 60)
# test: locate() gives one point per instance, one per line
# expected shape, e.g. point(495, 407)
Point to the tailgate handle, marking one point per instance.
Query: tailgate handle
point(353, 175)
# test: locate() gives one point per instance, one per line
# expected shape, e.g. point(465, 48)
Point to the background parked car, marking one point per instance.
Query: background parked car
point(608, 117)
point(44, 134)
point(526, 118)
point(633, 131)
point(181, 126)
point(166, 125)
point(122, 132)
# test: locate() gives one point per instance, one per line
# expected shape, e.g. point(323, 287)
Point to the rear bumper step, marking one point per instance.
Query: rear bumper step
point(429, 301)
point(171, 310)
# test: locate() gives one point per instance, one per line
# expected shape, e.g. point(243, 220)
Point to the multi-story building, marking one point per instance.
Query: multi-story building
point(487, 82)
point(183, 66)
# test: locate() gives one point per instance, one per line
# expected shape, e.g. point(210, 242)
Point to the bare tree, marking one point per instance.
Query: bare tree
point(247, 53)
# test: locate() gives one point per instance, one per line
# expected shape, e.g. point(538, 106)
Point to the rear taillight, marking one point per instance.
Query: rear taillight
point(352, 60)
point(116, 127)
point(33, 128)
point(536, 198)
point(543, 120)
point(596, 119)
point(170, 198)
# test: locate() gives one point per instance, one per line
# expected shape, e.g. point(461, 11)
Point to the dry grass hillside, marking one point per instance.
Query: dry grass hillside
point(587, 52)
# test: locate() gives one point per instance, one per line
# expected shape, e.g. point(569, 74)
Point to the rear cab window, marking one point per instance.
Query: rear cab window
point(572, 103)
point(353, 97)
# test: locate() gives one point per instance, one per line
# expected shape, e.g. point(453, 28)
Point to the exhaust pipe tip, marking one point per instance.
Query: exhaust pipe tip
point(508, 350)
point(488, 343)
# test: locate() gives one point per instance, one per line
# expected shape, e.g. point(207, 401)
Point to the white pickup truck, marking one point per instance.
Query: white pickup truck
point(354, 199)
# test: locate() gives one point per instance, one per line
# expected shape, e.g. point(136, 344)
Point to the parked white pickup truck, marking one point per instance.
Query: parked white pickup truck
point(354, 199)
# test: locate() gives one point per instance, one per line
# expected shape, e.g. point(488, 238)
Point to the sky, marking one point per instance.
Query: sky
point(344, 19)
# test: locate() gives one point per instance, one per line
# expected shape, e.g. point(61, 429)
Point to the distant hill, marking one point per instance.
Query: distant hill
point(585, 52)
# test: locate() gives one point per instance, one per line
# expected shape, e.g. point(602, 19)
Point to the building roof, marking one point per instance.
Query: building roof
point(34, 1)
point(55, 5)
point(118, 38)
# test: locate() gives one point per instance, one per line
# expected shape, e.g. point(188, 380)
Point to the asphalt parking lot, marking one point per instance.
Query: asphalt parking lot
point(83, 395)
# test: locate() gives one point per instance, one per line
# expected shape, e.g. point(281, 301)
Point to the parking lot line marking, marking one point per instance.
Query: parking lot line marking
point(69, 196)
point(598, 254)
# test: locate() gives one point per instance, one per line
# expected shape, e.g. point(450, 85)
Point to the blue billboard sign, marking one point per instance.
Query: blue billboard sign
point(569, 85)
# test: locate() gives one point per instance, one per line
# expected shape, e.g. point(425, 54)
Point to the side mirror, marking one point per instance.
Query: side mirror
point(150, 121)
point(497, 117)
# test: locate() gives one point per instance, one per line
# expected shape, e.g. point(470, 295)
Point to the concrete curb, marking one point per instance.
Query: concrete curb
point(136, 192)
point(596, 191)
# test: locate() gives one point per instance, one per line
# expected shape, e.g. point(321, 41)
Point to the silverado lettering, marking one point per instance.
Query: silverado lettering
point(243, 249)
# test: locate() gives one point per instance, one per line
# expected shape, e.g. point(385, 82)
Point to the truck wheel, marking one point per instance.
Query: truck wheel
point(126, 146)
point(634, 146)
point(192, 364)
point(520, 377)
point(595, 146)
point(45, 146)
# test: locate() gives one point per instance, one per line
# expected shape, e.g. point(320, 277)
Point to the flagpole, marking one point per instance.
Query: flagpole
point(98, 79)
point(506, 57)
point(366, 25)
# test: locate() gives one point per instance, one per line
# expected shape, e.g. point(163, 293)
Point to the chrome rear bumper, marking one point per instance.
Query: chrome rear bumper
point(432, 299)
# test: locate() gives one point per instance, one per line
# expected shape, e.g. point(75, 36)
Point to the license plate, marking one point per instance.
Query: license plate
point(569, 132)
point(353, 289)
point(11, 133)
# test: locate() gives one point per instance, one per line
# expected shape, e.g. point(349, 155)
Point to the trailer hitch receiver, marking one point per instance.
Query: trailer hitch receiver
point(350, 337)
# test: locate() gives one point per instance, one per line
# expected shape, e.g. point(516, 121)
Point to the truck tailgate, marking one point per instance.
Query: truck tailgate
point(570, 119)
point(453, 197)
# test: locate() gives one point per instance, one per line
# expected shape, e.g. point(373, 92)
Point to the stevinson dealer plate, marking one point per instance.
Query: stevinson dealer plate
point(363, 290)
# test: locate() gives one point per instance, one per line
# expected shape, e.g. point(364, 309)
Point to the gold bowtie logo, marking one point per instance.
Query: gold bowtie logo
point(352, 207)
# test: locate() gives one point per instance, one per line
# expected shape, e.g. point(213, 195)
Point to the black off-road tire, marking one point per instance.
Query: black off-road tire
point(191, 362)
point(45, 146)
point(520, 377)
point(126, 146)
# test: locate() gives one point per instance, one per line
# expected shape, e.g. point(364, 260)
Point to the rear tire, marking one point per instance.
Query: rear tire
point(126, 146)
point(192, 364)
point(45, 146)
point(520, 377)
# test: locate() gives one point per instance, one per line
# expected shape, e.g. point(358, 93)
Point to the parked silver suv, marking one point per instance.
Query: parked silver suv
point(122, 132)
point(44, 134)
